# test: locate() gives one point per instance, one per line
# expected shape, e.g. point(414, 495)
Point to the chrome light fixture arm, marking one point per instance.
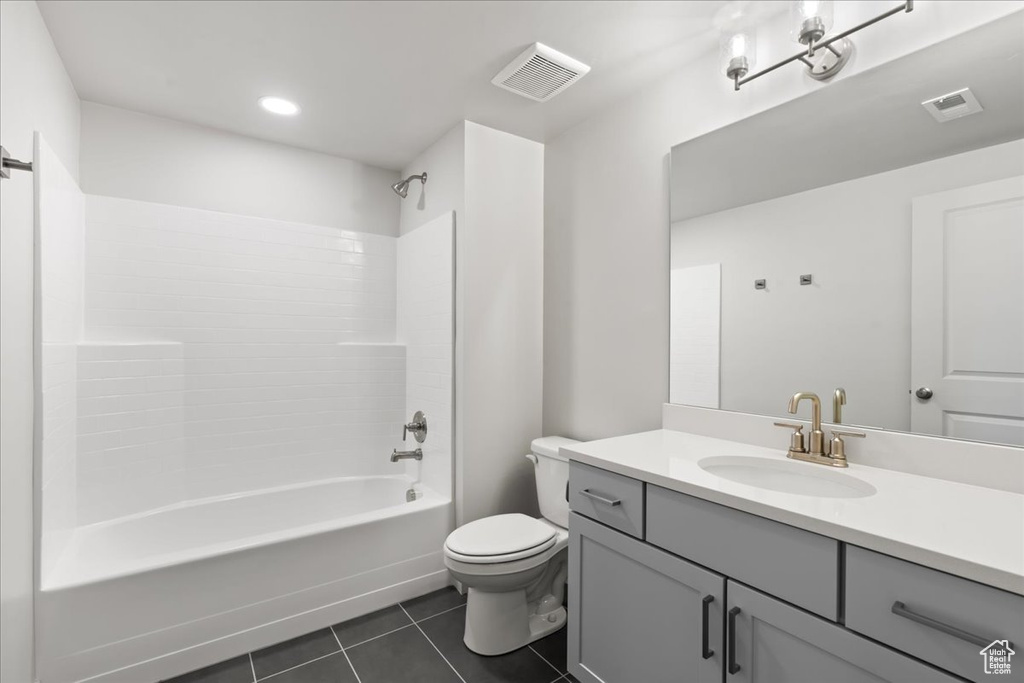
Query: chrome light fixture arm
point(740, 78)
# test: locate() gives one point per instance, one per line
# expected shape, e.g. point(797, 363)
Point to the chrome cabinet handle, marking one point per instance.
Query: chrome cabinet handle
point(901, 610)
point(733, 666)
point(705, 651)
point(601, 499)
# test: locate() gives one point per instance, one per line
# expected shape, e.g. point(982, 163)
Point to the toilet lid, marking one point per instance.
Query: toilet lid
point(500, 535)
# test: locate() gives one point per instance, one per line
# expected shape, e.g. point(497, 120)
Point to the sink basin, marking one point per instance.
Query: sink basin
point(787, 476)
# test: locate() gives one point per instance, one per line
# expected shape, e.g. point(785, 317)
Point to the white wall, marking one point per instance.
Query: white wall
point(37, 95)
point(606, 312)
point(501, 263)
point(426, 281)
point(494, 183)
point(445, 189)
point(696, 329)
point(137, 156)
point(859, 304)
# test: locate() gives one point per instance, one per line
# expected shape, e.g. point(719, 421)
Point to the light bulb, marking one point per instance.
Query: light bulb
point(738, 53)
point(811, 20)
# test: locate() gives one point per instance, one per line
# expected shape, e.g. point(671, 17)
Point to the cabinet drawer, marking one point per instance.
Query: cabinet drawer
point(796, 565)
point(772, 642)
point(607, 497)
point(945, 620)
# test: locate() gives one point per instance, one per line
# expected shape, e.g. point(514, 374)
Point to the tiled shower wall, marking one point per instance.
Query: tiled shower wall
point(425, 328)
point(228, 353)
point(60, 228)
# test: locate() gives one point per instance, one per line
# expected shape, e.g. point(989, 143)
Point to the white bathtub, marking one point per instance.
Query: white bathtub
point(153, 595)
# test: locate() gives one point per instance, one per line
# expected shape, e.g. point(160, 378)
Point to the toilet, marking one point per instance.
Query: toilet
point(514, 566)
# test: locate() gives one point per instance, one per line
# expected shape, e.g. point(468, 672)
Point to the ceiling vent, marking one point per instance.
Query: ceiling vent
point(540, 73)
point(954, 105)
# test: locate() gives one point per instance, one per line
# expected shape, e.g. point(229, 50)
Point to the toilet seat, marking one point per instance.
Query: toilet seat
point(500, 539)
point(504, 565)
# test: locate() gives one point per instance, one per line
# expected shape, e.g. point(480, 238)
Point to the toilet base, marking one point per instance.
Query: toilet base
point(497, 623)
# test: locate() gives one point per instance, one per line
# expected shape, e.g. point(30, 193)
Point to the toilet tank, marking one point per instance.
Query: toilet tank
point(551, 473)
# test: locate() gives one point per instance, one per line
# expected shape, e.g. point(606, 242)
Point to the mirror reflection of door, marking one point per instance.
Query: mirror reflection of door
point(967, 308)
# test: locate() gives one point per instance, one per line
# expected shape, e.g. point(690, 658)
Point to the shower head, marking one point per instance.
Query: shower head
point(401, 188)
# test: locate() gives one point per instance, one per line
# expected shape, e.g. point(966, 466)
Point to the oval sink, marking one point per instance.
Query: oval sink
point(785, 476)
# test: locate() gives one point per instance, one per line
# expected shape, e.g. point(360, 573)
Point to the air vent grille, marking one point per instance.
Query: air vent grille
point(540, 73)
point(951, 101)
point(954, 105)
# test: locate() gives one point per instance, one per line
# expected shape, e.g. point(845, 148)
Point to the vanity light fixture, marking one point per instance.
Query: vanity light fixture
point(279, 105)
point(823, 57)
point(738, 53)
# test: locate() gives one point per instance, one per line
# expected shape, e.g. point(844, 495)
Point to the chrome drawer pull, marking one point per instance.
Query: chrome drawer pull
point(901, 610)
point(601, 499)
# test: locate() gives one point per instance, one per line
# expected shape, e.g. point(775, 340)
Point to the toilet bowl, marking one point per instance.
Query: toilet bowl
point(514, 566)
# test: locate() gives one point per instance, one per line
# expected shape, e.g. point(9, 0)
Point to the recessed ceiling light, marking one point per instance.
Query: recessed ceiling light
point(278, 105)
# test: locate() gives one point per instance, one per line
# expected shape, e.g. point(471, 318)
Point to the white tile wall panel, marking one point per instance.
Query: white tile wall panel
point(130, 430)
point(201, 276)
point(285, 367)
point(424, 325)
point(60, 230)
point(231, 423)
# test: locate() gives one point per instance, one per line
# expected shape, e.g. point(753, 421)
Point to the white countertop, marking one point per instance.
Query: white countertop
point(969, 531)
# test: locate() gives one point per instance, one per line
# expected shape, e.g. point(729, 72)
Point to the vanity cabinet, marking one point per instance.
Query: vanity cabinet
point(664, 586)
point(640, 614)
point(769, 641)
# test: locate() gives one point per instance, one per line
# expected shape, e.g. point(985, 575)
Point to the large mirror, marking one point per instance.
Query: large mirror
point(849, 239)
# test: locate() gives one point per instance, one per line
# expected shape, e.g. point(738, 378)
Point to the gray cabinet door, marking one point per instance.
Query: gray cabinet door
point(638, 614)
point(772, 642)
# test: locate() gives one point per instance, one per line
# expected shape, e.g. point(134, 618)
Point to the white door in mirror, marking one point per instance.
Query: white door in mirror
point(967, 313)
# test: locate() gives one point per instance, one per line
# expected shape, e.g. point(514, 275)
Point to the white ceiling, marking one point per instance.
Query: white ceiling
point(377, 81)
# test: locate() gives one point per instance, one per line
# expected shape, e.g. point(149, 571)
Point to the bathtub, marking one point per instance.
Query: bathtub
point(152, 595)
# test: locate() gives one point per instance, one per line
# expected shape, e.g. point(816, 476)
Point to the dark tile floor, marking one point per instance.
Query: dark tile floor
point(417, 641)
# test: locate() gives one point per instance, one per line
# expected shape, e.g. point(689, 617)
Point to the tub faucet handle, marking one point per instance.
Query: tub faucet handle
point(418, 427)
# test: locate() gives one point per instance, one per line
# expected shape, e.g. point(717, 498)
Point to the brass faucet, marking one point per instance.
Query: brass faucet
point(818, 447)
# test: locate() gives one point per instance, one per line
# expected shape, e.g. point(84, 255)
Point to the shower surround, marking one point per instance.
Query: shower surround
point(221, 402)
point(228, 354)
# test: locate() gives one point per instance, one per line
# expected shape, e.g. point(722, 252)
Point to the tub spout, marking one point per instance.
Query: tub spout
point(397, 455)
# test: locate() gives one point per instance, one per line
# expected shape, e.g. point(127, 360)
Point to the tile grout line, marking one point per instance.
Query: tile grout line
point(432, 645)
point(297, 666)
point(396, 630)
point(252, 667)
point(353, 667)
point(350, 664)
point(364, 642)
point(444, 611)
point(559, 672)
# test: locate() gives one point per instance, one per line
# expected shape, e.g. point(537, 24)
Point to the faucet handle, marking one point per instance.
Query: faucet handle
point(796, 439)
point(839, 447)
